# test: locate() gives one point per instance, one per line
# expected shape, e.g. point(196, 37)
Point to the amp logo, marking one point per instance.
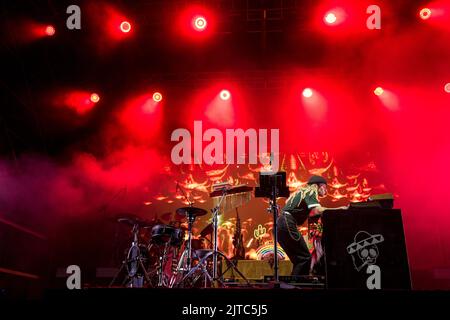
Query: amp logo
point(364, 252)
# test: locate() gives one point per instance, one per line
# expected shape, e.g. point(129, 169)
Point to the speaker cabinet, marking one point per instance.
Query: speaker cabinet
point(365, 249)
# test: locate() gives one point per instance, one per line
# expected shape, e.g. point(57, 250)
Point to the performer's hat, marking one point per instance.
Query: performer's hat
point(317, 180)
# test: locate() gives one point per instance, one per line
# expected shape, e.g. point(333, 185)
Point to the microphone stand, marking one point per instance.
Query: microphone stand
point(274, 209)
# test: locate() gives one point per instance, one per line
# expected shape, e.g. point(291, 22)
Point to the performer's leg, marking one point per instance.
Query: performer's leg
point(293, 243)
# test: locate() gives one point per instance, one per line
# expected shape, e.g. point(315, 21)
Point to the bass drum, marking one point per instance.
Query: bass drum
point(138, 260)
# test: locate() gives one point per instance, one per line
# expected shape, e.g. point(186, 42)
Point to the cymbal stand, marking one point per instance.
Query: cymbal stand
point(133, 262)
point(162, 281)
point(214, 253)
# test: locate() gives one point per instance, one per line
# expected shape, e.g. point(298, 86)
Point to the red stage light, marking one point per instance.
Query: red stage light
point(335, 17)
point(378, 91)
point(95, 98)
point(307, 93)
point(196, 23)
point(157, 97)
point(425, 13)
point(199, 23)
point(225, 95)
point(447, 87)
point(125, 27)
point(50, 30)
point(330, 18)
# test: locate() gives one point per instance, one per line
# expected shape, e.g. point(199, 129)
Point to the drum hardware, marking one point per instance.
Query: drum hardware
point(136, 258)
point(169, 238)
point(162, 282)
point(205, 254)
point(190, 213)
point(185, 263)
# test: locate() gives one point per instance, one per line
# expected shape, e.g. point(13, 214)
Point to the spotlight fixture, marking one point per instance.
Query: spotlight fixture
point(157, 97)
point(225, 95)
point(307, 93)
point(125, 27)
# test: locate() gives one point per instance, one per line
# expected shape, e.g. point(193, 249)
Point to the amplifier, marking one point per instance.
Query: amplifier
point(365, 249)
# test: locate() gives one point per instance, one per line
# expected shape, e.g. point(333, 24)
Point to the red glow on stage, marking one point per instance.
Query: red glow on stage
point(80, 101)
point(27, 31)
point(199, 23)
point(340, 19)
point(157, 97)
point(95, 97)
point(130, 166)
point(447, 87)
point(125, 27)
point(142, 116)
point(425, 13)
point(115, 23)
point(110, 24)
point(50, 30)
point(208, 106)
point(315, 104)
point(307, 93)
point(436, 13)
point(220, 109)
point(388, 98)
point(225, 95)
point(330, 114)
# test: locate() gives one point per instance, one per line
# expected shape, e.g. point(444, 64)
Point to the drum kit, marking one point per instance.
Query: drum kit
point(158, 262)
point(173, 257)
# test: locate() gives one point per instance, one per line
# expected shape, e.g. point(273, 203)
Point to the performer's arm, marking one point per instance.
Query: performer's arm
point(317, 211)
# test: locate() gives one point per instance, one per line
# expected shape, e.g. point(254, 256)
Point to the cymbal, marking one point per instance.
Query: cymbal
point(132, 220)
point(197, 212)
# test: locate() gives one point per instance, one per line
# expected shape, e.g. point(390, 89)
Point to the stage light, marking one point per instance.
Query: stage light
point(199, 23)
point(389, 99)
point(330, 18)
point(378, 91)
point(307, 93)
point(125, 27)
point(157, 97)
point(447, 87)
point(95, 98)
point(425, 13)
point(225, 95)
point(50, 30)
